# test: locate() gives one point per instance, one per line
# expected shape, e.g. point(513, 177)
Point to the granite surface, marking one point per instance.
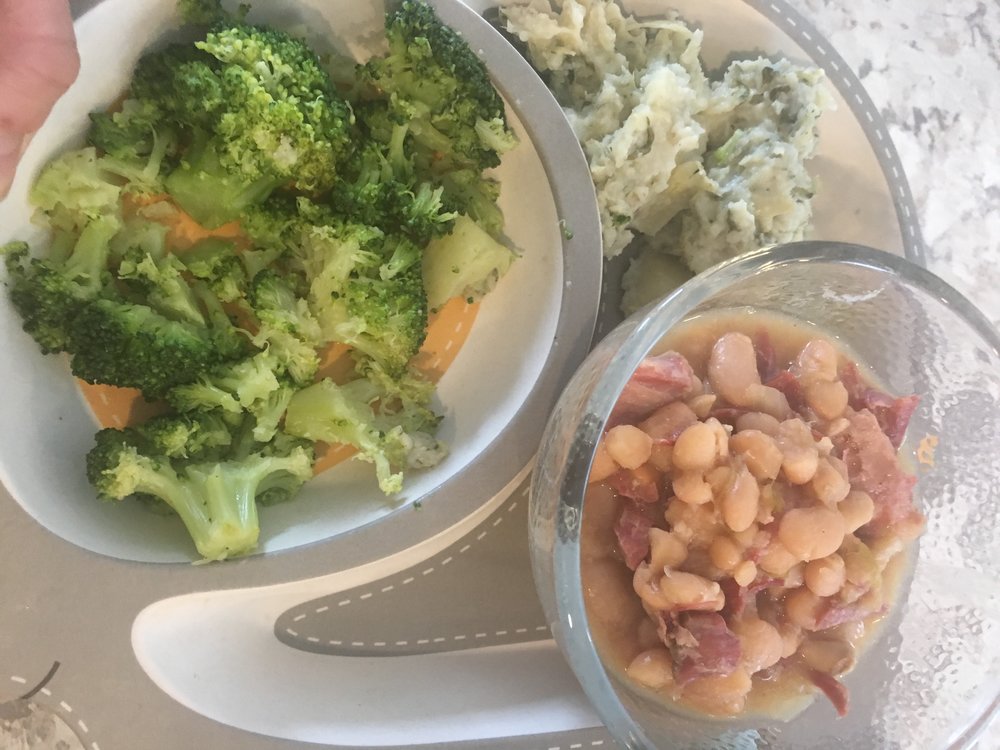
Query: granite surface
point(933, 70)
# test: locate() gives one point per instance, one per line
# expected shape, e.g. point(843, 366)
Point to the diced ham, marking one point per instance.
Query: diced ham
point(872, 466)
point(836, 613)
point(832, 688)
point(656, 381)
point(786, 382)
point(893, 414)
point(632, 530)
point(703, 645)
point(635, 485)
point(766, 359)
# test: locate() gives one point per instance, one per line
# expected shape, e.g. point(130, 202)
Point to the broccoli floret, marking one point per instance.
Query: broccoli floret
point(466, 263)
point(137, 143)
point(161, 285)
point(434, 81)
point(344, 414)
point(258, 385)
point(285, 325)
point(203, 12)
point(476, 196)
point(193, 437)
point(184, 84)
point(405, 397)
point(121, 343)
point(363, 289)
point(139, 236)
point(255, 111)
point(216, 262)
point(75, 188)
point(380, 189)
point(211, 193)
point(216, 500)
point(49, 292)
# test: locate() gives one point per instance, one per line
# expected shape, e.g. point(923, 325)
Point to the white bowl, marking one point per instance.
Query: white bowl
point(528, 336)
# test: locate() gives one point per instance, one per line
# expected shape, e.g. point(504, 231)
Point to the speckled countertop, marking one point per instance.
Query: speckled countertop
point(933, 70)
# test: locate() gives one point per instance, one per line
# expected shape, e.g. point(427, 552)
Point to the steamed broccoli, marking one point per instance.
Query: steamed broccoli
point(466, 263)
point(255, 111)
point(122, 343)
point(215, 497)
point(381, 189)
point(352, 213)
point(344, 414)
point(362, 288)
point(285, 325)
point(216, 262)
point(75, 188)
point(258, 385)
point(435, 82)
point(48, 293)
point(137, 143)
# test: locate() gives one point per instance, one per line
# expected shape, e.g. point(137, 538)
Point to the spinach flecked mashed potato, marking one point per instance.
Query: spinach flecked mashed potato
point(692, 167)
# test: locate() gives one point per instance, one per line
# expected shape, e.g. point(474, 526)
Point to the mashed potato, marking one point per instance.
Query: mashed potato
point(697, 168)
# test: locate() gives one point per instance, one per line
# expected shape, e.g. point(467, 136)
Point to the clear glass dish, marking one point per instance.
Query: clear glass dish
point(932, 676)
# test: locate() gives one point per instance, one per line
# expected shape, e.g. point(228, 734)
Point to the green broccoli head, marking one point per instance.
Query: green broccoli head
point(121, 343)
point(215, 499)
point(216, 262)
point(436, 82)
point(161, 284)
point(255, 111)
point(259, 385)
point(75, 188)
point(48, 292)
point(137, 142)
point(382, 190)
point(335, 413)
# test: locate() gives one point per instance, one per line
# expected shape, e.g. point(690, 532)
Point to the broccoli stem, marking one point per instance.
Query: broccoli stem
point(88, 262)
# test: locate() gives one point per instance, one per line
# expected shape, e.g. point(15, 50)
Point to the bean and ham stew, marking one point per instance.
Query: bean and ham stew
point(745, 513)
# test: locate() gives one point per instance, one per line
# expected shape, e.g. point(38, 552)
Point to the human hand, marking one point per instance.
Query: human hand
point(38, 62)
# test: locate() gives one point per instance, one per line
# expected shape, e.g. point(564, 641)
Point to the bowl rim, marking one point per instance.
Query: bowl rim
point(632, 340)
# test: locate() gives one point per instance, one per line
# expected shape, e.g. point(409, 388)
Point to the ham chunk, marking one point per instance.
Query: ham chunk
point(632, 531)
point(893, 414)
point(873, 467)
point(703, 645)
point(657, 381)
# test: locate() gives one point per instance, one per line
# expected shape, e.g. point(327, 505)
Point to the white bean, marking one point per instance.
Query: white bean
point(811, 533)
point(732, 367)
point(692, 489)
point(817, 361)
point(695, 449)
point(667, 549)
point(739, 502)
point(653, 668)
point(759, 451)
point(628, 445)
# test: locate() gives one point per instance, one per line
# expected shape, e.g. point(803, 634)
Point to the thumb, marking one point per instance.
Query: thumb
point(38, 62)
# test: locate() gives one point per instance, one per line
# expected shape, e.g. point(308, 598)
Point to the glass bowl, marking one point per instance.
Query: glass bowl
point(932, 676)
